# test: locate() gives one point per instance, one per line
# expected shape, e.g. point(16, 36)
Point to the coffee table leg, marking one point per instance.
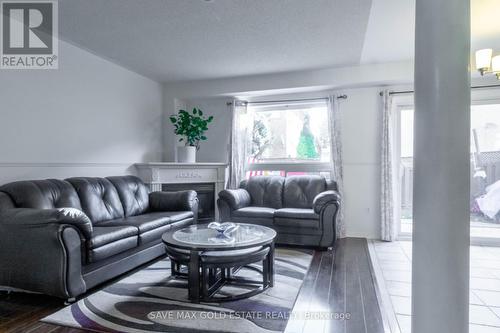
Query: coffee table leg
point(194, 277)
point(271, 264)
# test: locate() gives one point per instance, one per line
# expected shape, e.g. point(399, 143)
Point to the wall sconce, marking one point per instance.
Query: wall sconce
point(486, 63)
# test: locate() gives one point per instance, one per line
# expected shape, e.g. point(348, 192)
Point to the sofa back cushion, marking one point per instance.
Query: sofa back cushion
point(134, 194)
point(299, 191)
point(6, 202)
point(99, 198)
point(42, 194)
point(266, 191)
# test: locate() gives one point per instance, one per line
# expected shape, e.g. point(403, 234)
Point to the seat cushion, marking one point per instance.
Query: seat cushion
point(154, 235)
point(296, 223)
point(264, 221)
point(104, 235)
point(110, 249)
point(152, 225)
point(177, 216)
point(299, 191)
point(149, 221)
point(176, 254)
point(133, 193)
point(298, 213)
point(252, 211)
point(231, 252)
point(243, 257)
point(266, 191)
point(108, 241)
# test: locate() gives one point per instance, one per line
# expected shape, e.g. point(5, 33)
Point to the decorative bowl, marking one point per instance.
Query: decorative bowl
point(225, 228)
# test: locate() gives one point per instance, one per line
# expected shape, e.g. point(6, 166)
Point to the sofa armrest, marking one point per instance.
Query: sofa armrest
point(173, 201)
point(322, 200)
point(236, 199)
point(42, 257)
point(38, 217)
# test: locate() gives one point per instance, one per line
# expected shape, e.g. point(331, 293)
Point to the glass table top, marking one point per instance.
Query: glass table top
point(200, 236)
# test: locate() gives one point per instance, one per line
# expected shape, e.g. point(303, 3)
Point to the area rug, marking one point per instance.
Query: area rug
point(150, 300)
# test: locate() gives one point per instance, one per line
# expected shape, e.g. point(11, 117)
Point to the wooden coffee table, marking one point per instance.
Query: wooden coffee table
point(197, 243)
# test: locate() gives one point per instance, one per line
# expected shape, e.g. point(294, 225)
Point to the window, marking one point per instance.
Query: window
point(289, 138)
point(290, 132)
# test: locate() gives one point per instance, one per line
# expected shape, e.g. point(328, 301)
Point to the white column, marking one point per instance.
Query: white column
point(440, 289)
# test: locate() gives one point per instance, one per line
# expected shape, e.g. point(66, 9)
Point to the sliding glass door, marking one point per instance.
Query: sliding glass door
point(485, 171)
point(406, 169)
point(484, 176)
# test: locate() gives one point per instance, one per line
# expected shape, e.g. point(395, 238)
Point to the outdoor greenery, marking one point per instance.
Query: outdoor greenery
point(191, 126)
point(306, 149)
point(260, 138)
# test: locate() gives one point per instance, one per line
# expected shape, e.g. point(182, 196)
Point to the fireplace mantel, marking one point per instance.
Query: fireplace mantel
point(155, 174)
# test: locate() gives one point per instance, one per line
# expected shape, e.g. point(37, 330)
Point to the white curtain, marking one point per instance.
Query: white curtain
point(334, 116)
point(388, 200)
point(239, 140)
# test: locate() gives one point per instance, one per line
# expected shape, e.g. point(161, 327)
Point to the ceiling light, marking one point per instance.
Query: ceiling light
point(495, 65)
point(486, 64)
point(483, 60)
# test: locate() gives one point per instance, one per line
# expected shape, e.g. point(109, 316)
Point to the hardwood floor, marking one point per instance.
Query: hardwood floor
point(21, 312)
point(339, 282)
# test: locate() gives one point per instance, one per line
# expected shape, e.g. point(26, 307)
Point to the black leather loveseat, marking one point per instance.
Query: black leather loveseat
point(302, 209)
point(63, 237)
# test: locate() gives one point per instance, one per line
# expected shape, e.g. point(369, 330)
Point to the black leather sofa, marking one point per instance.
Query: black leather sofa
point(302, 209)
point(63, 237)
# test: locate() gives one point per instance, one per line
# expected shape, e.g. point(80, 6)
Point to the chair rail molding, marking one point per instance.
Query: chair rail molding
point(63, 164)
point(15, 171)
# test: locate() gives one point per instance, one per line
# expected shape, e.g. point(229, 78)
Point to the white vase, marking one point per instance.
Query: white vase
point(186, 154)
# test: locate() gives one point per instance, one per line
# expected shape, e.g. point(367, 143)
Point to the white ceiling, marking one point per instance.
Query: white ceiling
point(390, 33)
point(171, 40)
point(177, 40)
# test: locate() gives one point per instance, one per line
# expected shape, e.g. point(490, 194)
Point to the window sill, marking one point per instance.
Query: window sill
point(304, 166)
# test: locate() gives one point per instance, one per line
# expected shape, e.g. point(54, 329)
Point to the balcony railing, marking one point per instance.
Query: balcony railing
point(485, 170)
point(290, 167)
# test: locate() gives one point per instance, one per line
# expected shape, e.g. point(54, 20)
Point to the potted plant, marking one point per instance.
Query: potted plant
point(191, 128)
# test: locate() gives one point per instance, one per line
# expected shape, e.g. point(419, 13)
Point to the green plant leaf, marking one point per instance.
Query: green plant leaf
point(191, 126)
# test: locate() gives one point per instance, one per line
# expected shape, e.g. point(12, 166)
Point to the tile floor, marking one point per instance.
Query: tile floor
point(393, 262)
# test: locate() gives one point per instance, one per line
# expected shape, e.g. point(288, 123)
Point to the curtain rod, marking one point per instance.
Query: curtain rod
point(412, 91)
point(292, 100)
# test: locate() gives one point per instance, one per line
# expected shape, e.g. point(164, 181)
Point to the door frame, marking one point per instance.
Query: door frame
point(400, 103)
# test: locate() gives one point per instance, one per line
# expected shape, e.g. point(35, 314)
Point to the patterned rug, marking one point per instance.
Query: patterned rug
point(152, 301)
